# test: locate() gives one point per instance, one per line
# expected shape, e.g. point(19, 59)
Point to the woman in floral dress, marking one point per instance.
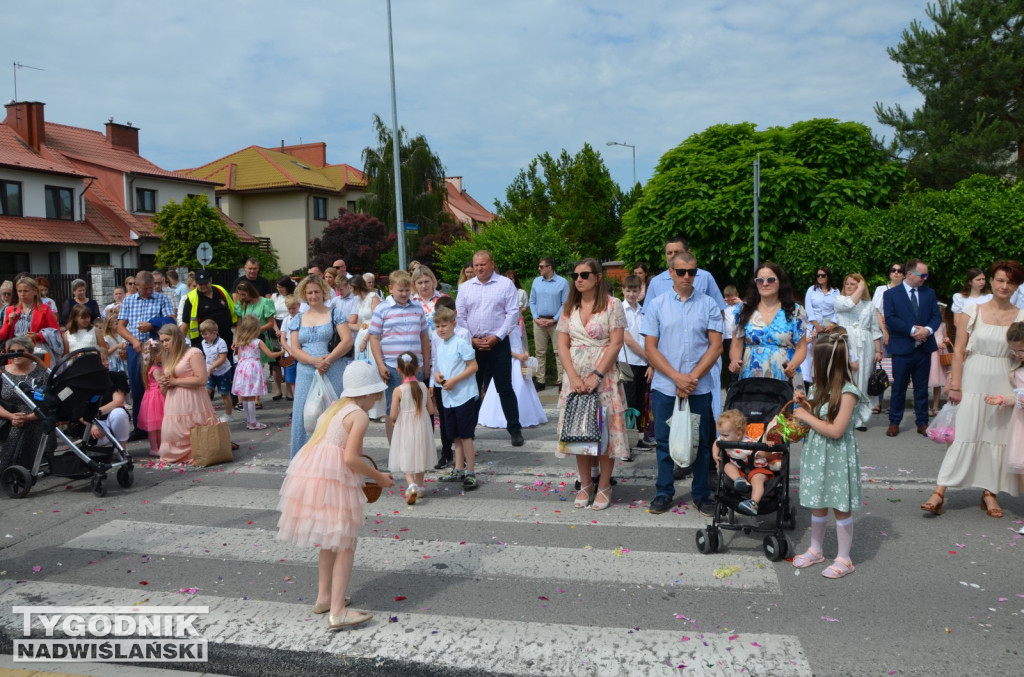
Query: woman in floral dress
point(589, 340)
point(769, 340)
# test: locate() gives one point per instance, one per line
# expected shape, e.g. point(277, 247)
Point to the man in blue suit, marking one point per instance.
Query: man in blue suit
point(912, 316)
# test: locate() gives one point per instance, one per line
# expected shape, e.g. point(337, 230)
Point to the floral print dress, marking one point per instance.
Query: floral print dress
point(586, 345)
point(767, 349)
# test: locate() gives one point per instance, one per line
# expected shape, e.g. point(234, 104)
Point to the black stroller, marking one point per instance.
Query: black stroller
point(72, 392)
point(760, 400)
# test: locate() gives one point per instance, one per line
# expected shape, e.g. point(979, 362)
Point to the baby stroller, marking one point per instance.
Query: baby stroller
point(760, 400)
point(72, 392)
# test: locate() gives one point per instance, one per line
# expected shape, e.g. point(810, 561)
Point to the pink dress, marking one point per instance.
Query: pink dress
point(249, 379)
point(151, 410)
point(321, 499)
point(184, 409)
point(412, 443)
point(1015, 447)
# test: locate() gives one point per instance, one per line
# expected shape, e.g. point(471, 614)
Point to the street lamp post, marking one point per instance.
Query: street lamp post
point(396, 149)
point(627, 145)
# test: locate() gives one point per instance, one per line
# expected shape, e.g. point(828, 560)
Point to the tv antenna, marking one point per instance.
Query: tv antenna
point(16, 67)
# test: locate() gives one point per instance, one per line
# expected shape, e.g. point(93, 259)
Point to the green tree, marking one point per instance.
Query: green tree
point(424, 192)
point(574, 193)
point(968, 67)
point(182, 226)
point(979, 221)
point(702, 190)
point(516, 245)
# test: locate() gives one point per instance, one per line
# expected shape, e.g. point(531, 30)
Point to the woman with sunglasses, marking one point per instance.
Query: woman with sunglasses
point(821, 315)
point(896, 276)
point(769, 340)
point(590, 335)
point(975, 290)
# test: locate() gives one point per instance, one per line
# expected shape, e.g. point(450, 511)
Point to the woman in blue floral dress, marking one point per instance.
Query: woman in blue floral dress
point(769, 340)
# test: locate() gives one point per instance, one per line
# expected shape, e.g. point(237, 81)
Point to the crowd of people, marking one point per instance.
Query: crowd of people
point(416, 353)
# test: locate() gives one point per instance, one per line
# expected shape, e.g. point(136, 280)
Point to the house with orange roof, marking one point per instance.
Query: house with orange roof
point(287, 194)
point(71, 198)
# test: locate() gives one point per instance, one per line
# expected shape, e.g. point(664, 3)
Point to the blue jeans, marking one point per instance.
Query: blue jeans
point(662, 406)
point(134, 371)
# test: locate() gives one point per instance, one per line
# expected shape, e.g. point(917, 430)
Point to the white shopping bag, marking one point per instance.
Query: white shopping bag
point(684, 434)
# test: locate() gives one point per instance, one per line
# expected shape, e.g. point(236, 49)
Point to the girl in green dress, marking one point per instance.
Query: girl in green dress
point(830, 461)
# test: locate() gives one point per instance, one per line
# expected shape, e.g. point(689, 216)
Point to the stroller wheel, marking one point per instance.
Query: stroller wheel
point(98, 488)
point(125, 477)
point(17, 481)
point(775, 548)
point(707, 540)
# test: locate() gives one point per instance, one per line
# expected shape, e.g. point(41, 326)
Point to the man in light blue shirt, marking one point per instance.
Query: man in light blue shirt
point(548, 294)
point(704, 283)
point(682, 331)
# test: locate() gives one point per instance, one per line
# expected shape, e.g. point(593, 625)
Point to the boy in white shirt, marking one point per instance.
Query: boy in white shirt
point(455, 372)
point(217, 364)
point(632, 353)
point(447, 454)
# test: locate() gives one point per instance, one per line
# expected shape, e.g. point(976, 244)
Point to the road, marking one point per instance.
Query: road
point(511, 579)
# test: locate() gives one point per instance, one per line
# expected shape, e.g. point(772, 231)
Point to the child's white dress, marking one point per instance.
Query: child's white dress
point(531, 412)
point(412, 442)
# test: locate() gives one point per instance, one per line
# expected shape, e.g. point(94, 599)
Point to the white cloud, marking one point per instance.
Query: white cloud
point(491, 85)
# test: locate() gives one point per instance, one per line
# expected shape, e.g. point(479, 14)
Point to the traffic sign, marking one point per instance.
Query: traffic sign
point(204, 252)
point(412, 227)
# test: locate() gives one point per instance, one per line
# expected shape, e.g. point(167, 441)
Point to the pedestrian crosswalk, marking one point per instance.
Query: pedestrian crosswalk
point(476, 636)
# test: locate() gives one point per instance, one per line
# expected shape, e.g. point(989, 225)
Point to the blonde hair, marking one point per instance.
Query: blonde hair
point(152, 356)
point(442, 314)
point(399, 278)
point(324, 421)
point(852, 276)
point(291, 300)
point(735, 418)
point(248, 329)
point(173, 354)
point(208, 325)
point(300, 291)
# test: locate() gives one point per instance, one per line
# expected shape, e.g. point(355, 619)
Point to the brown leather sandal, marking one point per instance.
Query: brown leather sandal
point(934, 507)
point(996, 511)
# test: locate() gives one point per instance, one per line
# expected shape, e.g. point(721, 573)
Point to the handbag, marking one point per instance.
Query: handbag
point(683, 434)
point(321, 395)
point(878, 381)
point(371, 489)
point(211, 444)
point(581, 418)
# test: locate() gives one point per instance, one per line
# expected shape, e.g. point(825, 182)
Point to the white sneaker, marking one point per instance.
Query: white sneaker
point(411, 494)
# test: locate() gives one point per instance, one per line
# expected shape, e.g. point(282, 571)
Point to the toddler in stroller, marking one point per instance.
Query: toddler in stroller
point(746, 474)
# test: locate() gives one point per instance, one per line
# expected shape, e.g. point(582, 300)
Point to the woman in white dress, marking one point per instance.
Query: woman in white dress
point(368, 301)
point(856, 313)
point(975, 290)
point(531, 411)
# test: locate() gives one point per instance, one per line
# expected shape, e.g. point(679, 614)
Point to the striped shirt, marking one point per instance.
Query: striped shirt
point(135, 309)
point(399, 328)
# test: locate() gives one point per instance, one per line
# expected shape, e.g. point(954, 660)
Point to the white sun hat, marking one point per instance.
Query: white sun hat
point(362, 379)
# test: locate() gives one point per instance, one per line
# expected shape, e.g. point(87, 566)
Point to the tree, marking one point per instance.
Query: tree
point(574, 193)
point(702, 190)
point(515, 245)
point(360, 239)
point(424, 191)
point(968, 68)
point(979, 221)
point(182, 226)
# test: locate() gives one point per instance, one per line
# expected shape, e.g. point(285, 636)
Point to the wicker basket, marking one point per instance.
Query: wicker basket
point(371, 488)
point(946, 359)
point(795, 429)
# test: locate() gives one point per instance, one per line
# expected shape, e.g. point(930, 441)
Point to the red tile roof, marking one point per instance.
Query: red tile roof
point(95, 230)
point(14, 153)
point(462, 205)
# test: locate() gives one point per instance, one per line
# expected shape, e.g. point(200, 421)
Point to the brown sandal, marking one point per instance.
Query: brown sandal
point(933, 507)
point(996, 512)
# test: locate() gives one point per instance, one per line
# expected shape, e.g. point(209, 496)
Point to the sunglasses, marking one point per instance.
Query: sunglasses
point(766, 280)
point(585, 275)
point(896, 270)
point(822, 275)
point(923, 276)
point(683, 272)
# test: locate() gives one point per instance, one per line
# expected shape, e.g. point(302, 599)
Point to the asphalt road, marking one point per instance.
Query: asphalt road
point(511, 579)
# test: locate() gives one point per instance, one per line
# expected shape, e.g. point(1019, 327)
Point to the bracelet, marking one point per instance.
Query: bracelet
point(954, 390)
point(598, 374)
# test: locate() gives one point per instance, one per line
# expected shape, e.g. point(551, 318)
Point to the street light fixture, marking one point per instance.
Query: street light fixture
point(627, 145)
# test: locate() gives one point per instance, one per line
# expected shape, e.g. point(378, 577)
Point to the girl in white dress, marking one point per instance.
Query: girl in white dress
point(79, 332)
point(412, 443)
point(531, 412)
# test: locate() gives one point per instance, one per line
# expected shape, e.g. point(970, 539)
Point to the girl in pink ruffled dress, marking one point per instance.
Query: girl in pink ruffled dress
point(151, 409)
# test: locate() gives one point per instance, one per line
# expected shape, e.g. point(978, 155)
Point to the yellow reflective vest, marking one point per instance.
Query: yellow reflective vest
point(193, 299)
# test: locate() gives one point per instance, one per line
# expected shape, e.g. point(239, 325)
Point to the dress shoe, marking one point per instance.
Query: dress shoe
point(539, 386)
point(517, 440)
point(923, 430)
point(893, 430)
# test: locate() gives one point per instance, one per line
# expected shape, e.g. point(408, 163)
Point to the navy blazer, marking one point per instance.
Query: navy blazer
point(900, 320)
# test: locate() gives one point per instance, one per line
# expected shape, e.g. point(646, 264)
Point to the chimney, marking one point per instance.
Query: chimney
point(457, 182)
point(26, 119)
point(123, 136)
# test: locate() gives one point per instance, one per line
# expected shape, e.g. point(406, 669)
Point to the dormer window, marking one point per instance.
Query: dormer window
point(10, 198)
point(145, 200)
point(59, 203)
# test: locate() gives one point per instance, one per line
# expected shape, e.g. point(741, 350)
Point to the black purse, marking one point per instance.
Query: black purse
point(580, 422)
point(878, 382)
point(336, 339)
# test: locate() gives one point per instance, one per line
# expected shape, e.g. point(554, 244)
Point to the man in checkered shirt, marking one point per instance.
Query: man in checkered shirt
point(134, 324)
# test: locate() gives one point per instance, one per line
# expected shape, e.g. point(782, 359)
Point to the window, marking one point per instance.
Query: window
point(12, 263)
point(145, 200)
point(54, 260)
point(10, 198)
point(86, 259)
point(320, 208)
point(58, 203)
point(351, 206)
point(219, 205)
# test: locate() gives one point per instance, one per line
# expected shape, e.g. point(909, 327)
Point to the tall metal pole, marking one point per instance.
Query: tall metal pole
point(396, 147)
point(757, 226)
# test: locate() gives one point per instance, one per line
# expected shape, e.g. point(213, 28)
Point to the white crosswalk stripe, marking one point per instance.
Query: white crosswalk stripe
point(480, 644)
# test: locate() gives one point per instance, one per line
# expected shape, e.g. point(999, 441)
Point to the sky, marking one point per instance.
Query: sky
point(490, 84)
